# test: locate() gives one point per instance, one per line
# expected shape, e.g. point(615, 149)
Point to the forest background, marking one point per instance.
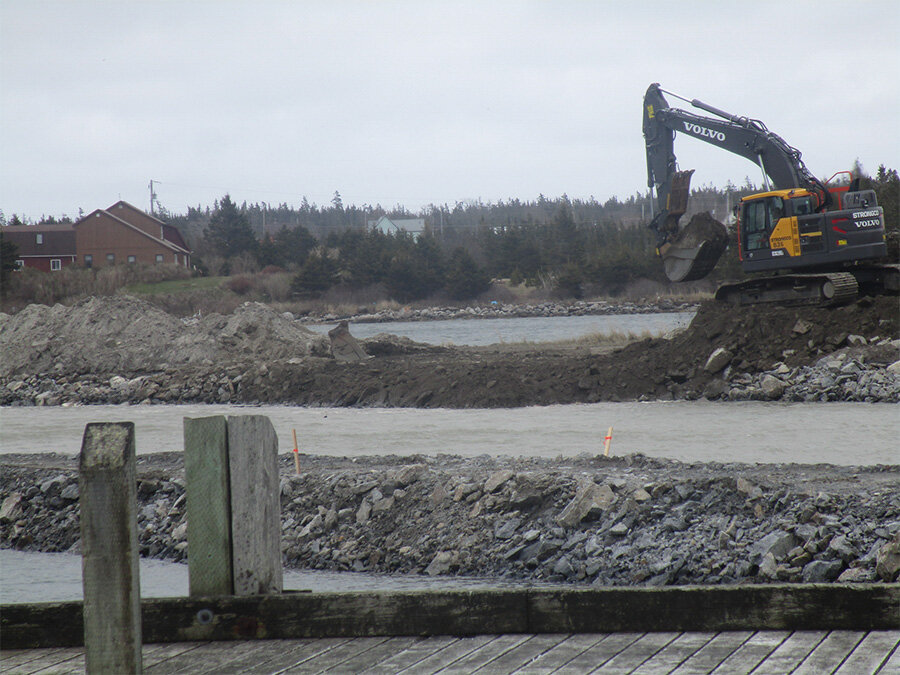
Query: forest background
point(547, 248)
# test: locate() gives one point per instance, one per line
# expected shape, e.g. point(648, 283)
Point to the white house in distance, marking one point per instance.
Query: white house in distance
point(413, 226)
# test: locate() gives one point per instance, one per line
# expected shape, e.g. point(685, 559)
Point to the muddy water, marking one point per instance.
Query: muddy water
point(836, 433)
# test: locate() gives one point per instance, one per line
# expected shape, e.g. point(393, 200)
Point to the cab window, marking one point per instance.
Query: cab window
point(760, 217)
point(801, 206)
point(755, 225)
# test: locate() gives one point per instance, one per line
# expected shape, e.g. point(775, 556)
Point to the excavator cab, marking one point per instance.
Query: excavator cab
point(789, 230)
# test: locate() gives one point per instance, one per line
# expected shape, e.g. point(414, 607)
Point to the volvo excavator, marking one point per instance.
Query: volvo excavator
point(818, 242)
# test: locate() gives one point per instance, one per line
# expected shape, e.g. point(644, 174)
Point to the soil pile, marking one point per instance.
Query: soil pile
point(125, 336)
point(119, 349)
point(620, 521)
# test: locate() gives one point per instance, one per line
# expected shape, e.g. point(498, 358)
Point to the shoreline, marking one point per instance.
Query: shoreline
point(623, 521)
point(505, 311)
point(122, 349)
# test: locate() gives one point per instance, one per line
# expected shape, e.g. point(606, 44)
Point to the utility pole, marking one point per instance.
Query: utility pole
point(152, 196)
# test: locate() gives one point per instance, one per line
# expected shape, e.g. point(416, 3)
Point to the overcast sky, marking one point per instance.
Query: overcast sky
point(418, 102)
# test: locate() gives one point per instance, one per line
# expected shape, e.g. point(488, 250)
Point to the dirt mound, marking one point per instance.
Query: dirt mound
point(254, 330)
point(124, 335)
point(97, 334)
point(756, 339)
point(57, 354)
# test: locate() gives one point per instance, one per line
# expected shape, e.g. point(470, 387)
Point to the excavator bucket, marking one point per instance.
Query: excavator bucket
point(694, 251)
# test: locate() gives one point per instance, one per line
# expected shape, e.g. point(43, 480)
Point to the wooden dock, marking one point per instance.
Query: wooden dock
point(819, 628)
point(681, 653)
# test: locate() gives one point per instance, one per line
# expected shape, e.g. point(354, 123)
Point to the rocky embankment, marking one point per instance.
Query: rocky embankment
point(587, 520)
point(497, 310)
point(120, 349)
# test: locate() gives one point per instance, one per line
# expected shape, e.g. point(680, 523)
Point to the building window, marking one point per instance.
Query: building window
point(55, 265)
point(88, 260)
point(20, 264)
point(39, 238)
point(132, 259)
point(159, 257)
point(111, 258)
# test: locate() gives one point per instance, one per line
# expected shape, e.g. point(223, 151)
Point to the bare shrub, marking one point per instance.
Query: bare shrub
point(218, 301)
point(274, 286)
point(347, 295)
point(215, 265)
point(245, 263)
point(241, 284)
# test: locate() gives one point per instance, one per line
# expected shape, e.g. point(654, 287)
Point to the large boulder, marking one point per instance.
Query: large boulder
point(590, 499)
point(717, 361)
point(887, 562)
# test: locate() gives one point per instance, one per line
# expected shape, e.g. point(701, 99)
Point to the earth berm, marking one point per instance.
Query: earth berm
point(121, 349)
point(609, 521)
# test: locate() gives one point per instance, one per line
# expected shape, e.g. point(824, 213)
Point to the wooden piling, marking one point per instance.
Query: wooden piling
point(234, 506)
point(109, 547)
point(255, 505)
point(208, 506)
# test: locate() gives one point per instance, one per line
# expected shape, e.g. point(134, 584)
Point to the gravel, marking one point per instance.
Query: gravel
point(623, 521)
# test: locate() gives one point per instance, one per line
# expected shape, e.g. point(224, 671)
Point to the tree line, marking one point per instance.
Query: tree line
point(566, 244)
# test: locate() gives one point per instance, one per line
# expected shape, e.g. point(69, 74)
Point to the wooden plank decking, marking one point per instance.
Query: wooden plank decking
point(843, 652)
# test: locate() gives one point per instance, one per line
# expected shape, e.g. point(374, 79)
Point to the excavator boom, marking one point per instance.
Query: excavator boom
point(797, 223)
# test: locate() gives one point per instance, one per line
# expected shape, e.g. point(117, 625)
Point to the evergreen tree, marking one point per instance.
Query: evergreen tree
point(464, 279)
point(318, 274)
point(229, 231)
point(288, 248)
point(8, 253)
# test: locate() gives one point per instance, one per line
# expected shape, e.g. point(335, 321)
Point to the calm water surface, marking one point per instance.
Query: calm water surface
point(836, 433)
point(476, 332)
point(56, 577)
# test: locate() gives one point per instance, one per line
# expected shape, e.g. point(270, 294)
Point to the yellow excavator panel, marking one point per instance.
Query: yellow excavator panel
point(786, 235)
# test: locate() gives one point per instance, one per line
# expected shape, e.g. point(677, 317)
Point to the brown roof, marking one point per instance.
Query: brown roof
point(58, 239)
point(133, 215)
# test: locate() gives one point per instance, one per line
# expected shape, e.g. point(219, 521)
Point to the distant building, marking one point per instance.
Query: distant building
point(120, 234)
point(125, 234)
point(48, 248)
point(414, 226)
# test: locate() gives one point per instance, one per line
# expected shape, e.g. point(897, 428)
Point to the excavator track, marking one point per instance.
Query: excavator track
point(835, 288)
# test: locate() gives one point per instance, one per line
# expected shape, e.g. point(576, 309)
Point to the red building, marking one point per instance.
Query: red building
point(120, 234)
point(48, 248)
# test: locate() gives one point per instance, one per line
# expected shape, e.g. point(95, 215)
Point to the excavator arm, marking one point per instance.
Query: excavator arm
point(691, 252)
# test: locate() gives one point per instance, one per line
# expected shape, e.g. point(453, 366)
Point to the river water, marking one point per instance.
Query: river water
point(477, 332)
point(56, 577)
point(835, 433)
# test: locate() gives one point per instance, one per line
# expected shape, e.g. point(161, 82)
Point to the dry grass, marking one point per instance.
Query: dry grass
point(175, 290)
point(71, 284)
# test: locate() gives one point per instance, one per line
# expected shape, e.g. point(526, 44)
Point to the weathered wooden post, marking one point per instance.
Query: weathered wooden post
point(233, 505)
point(255, 505)
point(109, 549)
point(208, 506)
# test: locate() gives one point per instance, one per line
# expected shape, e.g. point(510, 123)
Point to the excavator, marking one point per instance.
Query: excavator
point(817, 242)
